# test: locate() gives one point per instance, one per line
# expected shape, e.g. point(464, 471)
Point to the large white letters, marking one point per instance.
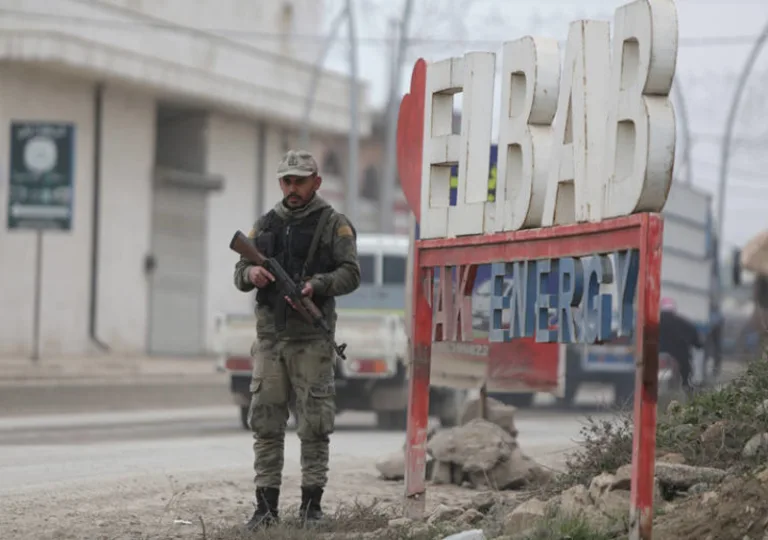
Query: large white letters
point(594, 142)
point(530, 78)
point(640, 147)
point(470, 150)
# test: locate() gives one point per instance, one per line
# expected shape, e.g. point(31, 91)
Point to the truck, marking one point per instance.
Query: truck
point(371, 321)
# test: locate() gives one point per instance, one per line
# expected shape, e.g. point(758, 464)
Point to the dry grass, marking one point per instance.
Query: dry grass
point(353, 522)
point(686, 429)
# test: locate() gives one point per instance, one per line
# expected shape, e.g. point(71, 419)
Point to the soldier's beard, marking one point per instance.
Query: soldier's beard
point(295, 202)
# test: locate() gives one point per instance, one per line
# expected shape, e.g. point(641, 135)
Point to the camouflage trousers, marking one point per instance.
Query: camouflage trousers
point(301, 374)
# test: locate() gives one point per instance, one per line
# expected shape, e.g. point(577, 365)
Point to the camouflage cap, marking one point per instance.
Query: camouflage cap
point(297, 163)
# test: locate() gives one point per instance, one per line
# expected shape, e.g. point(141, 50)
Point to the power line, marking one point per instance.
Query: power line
point(704, 41)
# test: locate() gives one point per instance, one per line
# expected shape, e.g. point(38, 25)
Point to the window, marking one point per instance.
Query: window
point(394, 270)
point(367, 269)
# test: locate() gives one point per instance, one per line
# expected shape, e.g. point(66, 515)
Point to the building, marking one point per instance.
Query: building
point(179, 117)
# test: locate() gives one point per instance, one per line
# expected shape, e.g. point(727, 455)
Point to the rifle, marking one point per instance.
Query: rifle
point(305, 306)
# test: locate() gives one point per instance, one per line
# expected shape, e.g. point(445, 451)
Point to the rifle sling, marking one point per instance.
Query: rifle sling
point(324, 217)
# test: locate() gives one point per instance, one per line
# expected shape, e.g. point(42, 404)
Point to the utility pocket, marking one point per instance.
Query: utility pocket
point(321, 409)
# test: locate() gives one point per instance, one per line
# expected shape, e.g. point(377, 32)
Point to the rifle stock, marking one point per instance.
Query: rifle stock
point(241, 244)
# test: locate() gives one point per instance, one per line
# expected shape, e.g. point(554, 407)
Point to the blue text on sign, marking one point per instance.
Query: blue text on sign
point(568, 291)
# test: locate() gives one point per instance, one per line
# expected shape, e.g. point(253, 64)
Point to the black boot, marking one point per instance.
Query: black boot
point(310, 509)
point(266, 508)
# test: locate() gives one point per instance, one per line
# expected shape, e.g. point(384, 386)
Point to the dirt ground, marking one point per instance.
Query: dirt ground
point(150, 509)
point(737, 511)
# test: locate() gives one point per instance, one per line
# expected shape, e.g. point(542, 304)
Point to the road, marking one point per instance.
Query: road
point(134, 473)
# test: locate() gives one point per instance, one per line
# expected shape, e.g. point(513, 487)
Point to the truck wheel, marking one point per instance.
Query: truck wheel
point(244, 418)
point(392, 420)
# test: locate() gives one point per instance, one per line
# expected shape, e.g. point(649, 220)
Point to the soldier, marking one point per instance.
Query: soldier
point(317, 247)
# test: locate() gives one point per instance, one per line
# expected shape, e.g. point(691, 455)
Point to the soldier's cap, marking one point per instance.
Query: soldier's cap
point(297, 163)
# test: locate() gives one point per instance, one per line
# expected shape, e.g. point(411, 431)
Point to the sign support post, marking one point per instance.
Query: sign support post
point(38, 294)
point(41, 180)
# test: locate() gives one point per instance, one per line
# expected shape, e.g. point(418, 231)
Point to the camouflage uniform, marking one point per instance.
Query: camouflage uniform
point(292, 360)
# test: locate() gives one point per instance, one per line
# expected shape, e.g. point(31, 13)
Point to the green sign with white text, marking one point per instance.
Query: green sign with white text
point(41, 175)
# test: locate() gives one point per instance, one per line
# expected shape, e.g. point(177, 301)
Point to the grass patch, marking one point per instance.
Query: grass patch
point(710, 430)
point(573, 528)
point(353, 522)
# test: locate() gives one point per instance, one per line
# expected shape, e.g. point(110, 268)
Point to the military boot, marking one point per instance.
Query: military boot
point(266, 508)
point(310, 509)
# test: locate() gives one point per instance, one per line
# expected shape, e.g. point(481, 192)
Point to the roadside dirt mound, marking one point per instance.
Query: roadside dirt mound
point(479, 453)
point(736, 511)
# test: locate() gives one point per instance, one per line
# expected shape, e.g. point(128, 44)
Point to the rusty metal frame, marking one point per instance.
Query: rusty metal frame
point(640, 231)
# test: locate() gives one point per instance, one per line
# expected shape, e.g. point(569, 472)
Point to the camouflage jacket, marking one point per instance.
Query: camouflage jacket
point(338, 238)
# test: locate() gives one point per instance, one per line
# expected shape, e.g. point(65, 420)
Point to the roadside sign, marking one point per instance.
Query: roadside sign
point(41, 175)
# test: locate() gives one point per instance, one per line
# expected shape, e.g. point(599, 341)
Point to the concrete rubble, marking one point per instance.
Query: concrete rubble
point(478, 453)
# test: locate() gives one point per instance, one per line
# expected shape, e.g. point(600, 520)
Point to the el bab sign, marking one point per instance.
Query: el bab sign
point(592, 142)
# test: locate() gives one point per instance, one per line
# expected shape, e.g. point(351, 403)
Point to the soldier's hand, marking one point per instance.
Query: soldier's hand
point(260, 276)
point(307, 290)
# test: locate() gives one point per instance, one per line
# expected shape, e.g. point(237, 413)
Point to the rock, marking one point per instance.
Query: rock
point(709, 497)
point(623, 482)
point(471, 517)
point(446, 473)
point(757, 445)
point(570, 502)
point(498, 413)
point(762, 409)
point(479, 444)
point(614, 504)
point(392, 467)
point(601, 484)
point(444, 513)
point(484, 501)
point(514, 472)
point(525, 516)
point(475, 534)
point(623, 477)
point(672, 458)
point(682, 477)
point(697, 489)
point(763, 476)
point(400, 522)
point(715, 433)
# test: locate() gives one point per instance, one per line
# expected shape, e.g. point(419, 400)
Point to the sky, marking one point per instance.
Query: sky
point(715, 40)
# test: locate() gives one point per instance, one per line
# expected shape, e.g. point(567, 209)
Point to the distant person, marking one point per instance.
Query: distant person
point(677, 336)
point(293, 365)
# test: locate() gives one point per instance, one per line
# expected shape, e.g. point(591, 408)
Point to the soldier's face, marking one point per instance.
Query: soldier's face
point(298, 190)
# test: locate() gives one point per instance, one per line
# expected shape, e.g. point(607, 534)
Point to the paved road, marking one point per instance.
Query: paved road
point(46, 451)
point(136, 473)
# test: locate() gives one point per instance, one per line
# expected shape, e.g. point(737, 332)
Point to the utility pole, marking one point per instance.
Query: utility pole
point(725, 155)
point(318, 70)
point(387, 190)
point(352, 197)
point(347, 14)
point(677, 93)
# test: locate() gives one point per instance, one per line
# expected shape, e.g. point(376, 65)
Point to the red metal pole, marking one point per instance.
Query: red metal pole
point(647, 378)
point(418, 392)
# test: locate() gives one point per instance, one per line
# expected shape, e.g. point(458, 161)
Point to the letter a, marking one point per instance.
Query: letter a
point(574, 189)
